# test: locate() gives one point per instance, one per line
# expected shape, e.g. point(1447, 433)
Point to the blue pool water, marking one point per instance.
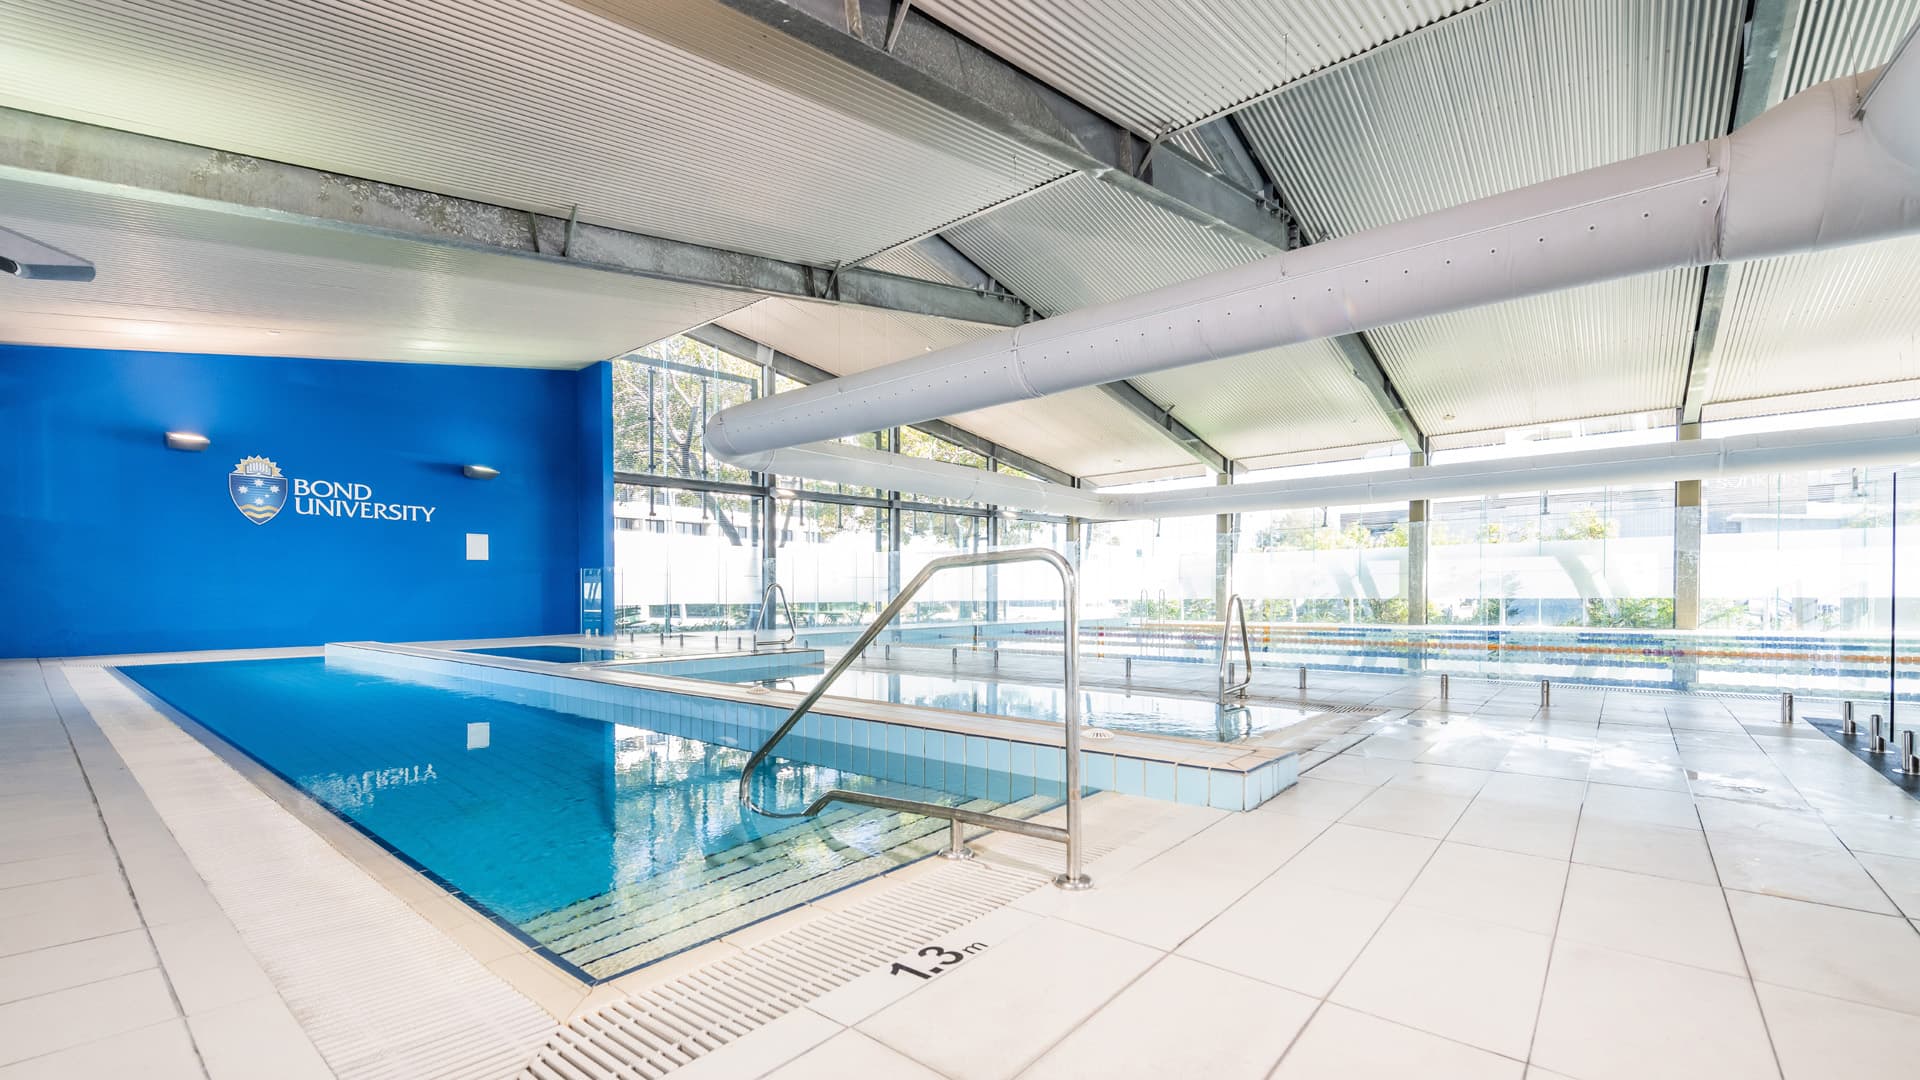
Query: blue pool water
point(608, 845)
point(554, 654)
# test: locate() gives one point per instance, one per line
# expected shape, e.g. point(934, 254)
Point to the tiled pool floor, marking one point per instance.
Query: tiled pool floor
point(1622, 885)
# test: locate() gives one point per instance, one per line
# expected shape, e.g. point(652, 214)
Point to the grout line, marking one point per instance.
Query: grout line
point(180, 1010)
point(1741, 944)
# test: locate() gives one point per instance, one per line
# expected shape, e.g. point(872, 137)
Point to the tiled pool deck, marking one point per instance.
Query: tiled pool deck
point(1620, 885)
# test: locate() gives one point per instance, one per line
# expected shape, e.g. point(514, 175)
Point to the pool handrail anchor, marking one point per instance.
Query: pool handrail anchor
point(1229, 686)
point(760, 621)
point(1068, 835)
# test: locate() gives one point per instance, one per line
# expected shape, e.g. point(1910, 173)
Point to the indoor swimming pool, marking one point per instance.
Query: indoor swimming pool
point(606, 845)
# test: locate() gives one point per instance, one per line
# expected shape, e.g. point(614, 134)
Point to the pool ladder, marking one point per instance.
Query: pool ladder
point(762, 623)
point(1231, 686)
point(1069, 835)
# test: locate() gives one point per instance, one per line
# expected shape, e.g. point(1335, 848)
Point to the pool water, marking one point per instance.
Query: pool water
point(607, 845)
point(555, 654)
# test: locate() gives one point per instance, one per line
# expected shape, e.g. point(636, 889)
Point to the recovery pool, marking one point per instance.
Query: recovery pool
point(605, 845)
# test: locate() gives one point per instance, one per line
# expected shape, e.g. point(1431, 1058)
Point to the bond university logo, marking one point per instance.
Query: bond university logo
point(258, 489)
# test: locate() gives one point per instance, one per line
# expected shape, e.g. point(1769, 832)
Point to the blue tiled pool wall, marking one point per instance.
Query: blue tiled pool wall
point(970, 765)
point(1853, 665)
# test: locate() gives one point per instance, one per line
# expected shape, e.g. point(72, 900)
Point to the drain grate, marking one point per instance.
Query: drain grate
point(657, 1030)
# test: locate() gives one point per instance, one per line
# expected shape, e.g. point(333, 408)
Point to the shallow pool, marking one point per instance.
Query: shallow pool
point(607, 845)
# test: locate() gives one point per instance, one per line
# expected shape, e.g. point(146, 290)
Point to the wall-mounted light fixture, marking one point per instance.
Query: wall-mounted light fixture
point(187, 440)
point(23, 256)
point(479, 472)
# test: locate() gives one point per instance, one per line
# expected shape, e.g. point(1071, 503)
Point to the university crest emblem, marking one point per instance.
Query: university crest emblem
point(258, 489)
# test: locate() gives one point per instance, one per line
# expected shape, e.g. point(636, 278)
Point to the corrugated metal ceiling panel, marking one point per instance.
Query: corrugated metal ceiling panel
point(1273, 403)
point(1836, 327)
point(909, 261)
point(193, 280)
point(1831, 319)
point(1083, 432)
point(1154, 65)
point(1079, 242)
point(1082, 242)
point(680, 119)
point(1506, 95)
point(1839, 37)
point(1617, 347)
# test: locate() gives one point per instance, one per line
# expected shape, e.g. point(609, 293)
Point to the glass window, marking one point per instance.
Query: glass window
point(1584, 558)
point(1342, 564)
point(1803, 551)
point(687, 560)
point(662, 398)
point(832, 561)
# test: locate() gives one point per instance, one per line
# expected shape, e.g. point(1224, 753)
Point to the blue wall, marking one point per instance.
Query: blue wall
point(109, 542)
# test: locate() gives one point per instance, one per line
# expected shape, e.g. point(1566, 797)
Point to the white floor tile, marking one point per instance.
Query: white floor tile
point(43, 971)
point(1317, 798)
point(1646, 849)
point(1640, 806)
point(41, 1025)
point(1406, 810)
point(1151, 1028)
point(163, 1051)
point(1612, 1016)
point(1368, 861)
point(1542, 829)
point(1899, 877)
point(1464, 980)
point(1291, 932)
point(1020, 997)
point(1855, 955)
point(1340, 1044)
point(208, 964)
point(1815, 873)
point(1818, 1037)
point(235, 1039)
point(1442, 779)
point(851, 1054)
point(1520, 891)
point(1678, 921)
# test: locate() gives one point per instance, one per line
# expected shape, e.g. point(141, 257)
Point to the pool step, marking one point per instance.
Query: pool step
point(607, 935)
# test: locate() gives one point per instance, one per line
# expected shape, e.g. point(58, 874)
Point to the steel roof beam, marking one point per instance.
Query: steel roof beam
point(1761, 82)
point(1147, 409)
point(746, 348)
point(946, 69)
point(106, 161)
point(1123, 391)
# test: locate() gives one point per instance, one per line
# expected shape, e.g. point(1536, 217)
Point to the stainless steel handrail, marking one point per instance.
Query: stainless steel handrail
point(1070, 715)
point(1227, 686)
point(760, 622)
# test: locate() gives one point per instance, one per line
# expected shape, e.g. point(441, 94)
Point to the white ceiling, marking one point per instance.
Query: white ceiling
point(174, 277)
point(534, 104)
point(1157, 64)
point(682, 118)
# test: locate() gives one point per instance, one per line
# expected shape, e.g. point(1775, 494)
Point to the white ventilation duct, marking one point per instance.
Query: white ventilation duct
point(1893, 442)
point(1816, 171)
